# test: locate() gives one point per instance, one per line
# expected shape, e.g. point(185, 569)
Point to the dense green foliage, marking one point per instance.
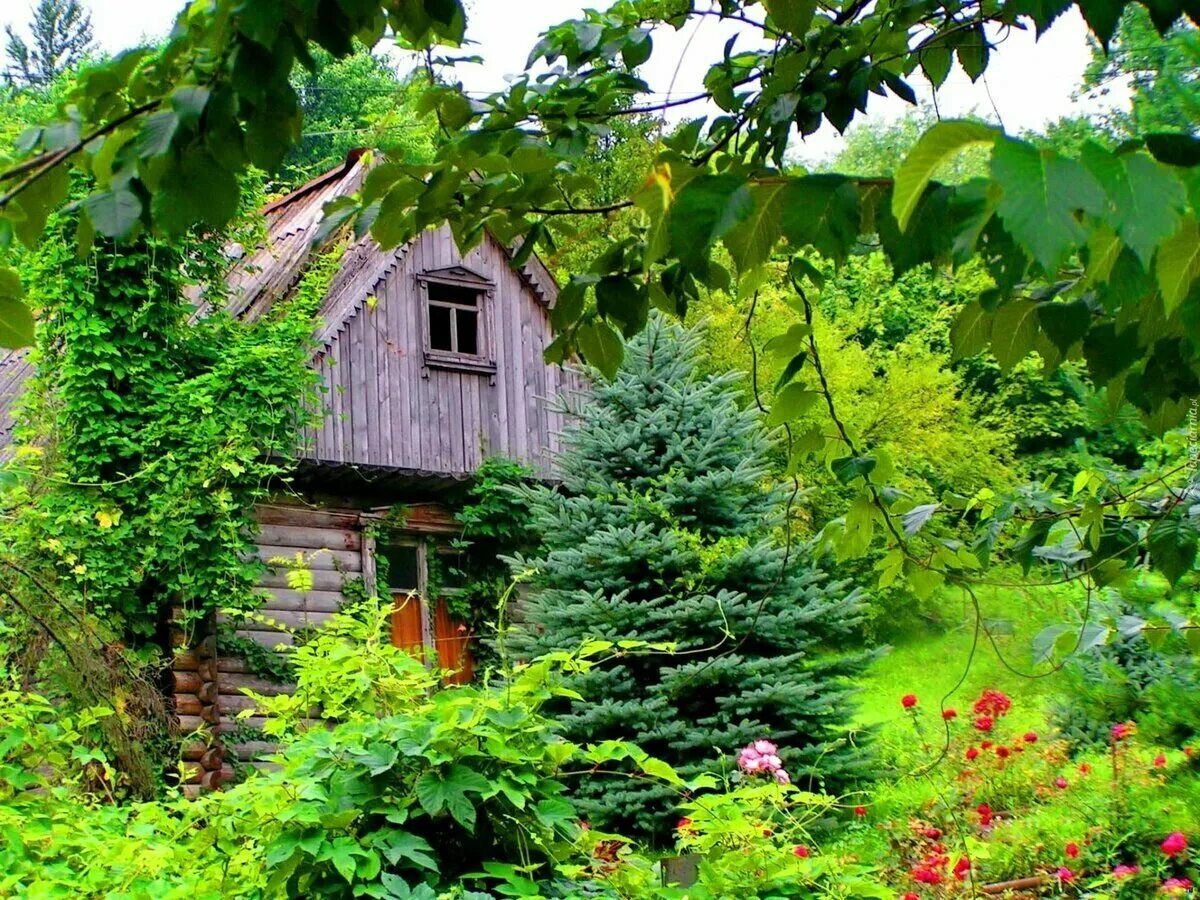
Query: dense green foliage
point(663, 532)
point(358, 101)
point(405, 791)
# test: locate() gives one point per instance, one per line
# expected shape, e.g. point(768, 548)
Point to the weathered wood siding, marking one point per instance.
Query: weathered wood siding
point(383, 406)
point(334, 550)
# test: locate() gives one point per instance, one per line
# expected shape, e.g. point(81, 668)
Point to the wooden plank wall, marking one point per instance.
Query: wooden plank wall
point(385, 407)
point(331, 543)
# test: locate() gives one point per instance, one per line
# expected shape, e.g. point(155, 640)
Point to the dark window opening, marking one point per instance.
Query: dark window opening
point(454, 318)
point(467, 338)
point(402, 566)
point(440, 333)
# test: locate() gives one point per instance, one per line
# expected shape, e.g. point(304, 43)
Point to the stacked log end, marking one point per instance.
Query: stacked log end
point(195, 697)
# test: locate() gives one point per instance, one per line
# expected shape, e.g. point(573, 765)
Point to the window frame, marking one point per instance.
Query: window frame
point(483, 361)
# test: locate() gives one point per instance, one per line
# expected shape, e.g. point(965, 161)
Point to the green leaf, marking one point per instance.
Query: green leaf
point(1178, 264)
point(154, 137)
point(601, 346)
point(555, 814)
point(1109, 352)
point(1042, 193)
point(198, 190)
point(822, 211)
point(936, 145)
point(16, 321)
point(1172, 544)
point(849, 468)
point(791, 403)
point(750, 243)
point(113, 213)
point(189, 102)
point(1174, 149)
point(793, 16)
point(622, 301)
point(1145, 199)
point(707, 208)
point(398, 844)
point(914, 520)
point(792, 369)
point(971, 332)
point(437, 790)
point(1064, 324)
point(1014, 332)
point(1102, 17)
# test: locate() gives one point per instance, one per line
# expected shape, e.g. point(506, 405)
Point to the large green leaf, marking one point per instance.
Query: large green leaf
point(1014, 332)
point(16, 321)
point(822, 211)
point(601, 346)
point(113, 213)
point(971, 332)
point(707, 208)
point(438, 790)
point(1178, 264)
point(1144, 198)
point(936, 145)
point(1172, 544)
point(750, 243)
point(1042, 194)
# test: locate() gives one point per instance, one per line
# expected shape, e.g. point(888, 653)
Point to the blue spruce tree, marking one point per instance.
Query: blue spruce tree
point(665, 528)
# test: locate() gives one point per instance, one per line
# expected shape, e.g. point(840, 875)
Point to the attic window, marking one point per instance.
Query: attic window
point(454, 318)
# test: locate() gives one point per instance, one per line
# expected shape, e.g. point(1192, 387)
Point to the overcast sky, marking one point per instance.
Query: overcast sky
point(1030, 82)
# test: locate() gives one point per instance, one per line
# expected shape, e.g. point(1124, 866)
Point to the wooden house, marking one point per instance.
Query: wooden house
point(430, 362)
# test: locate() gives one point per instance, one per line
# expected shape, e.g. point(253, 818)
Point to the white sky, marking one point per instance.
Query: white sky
point(1031, 82)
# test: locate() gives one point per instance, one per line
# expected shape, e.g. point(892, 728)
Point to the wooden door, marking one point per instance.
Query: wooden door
point(431, 633)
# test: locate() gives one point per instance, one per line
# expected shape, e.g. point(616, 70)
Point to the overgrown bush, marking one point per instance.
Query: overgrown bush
point(406, 791)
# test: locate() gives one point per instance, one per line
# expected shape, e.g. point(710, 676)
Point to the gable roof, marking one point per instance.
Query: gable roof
point(269, 272)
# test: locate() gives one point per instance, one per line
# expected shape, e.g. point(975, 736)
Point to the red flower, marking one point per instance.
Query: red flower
point(1002, 752)
point(985, 745)
point(1122, 730)
point(910, 895)
point(1122, 872)
point(1160, 761)
point(1188, 751)
point(961, 868)
point(860, 811)
point(972, 753)
point(1072, 850)
point(683, 823)
point(1065, 875)
point(908, 701)
point(1177, 885)
point(801, 851)
point(926, 875)
point(1060, 783)
point(1030, 737)
point(949, 714)
point(985, 814)
point(1085, 768)
point(992, 703)
point(932, 833)
point(1174, 843)
point(985, 723)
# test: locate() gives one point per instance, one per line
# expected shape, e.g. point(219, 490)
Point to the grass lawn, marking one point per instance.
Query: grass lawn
point(931, 664)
